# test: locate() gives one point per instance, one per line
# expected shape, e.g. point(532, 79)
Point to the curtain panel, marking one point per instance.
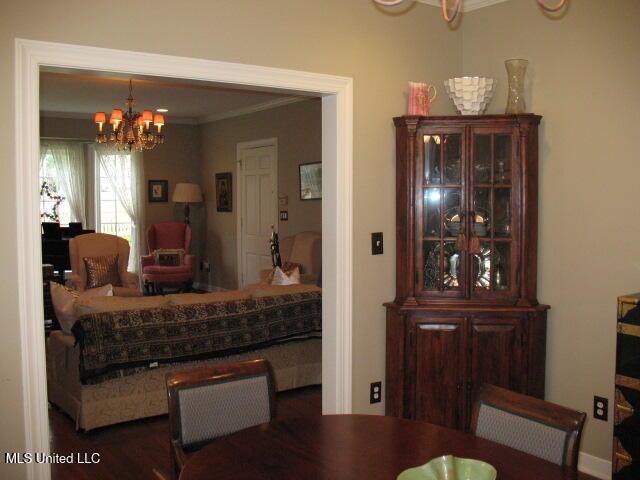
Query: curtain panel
point(125, 172)
point(71, 171)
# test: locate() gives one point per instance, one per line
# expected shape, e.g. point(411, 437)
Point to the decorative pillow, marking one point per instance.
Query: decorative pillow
point(287, 267)
point(169, 257)
point(102, 271)
point(64, 300)
point(282, 278)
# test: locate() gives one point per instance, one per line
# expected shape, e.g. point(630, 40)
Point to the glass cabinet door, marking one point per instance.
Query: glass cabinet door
point(491, 205)
point(441, 199)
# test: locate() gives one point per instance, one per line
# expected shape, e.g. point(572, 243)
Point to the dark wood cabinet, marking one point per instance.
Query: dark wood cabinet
point(465, 311)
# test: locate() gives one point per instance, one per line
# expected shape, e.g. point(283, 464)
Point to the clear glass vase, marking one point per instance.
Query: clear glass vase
point(516, 69)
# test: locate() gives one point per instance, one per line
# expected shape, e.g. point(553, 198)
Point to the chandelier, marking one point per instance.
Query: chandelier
point(449, 14)
point(130, 130)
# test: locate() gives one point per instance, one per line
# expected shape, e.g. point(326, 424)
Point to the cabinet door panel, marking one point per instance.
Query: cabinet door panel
point(439, 213)
point(439, 371)
point(496, 353)
point(495, 213)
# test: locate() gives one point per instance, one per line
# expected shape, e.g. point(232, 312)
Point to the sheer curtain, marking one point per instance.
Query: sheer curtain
point(71, 170)
point(125, 172)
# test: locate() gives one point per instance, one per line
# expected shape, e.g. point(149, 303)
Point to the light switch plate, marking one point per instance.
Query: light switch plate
point(377, 243)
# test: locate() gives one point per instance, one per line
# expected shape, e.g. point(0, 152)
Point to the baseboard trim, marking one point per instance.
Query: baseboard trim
point(594, 466)
point(209, 288)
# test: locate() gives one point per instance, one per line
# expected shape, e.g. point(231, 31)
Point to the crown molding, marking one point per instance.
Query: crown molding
point(279, 102)
point(467, 5)
point(89, 116)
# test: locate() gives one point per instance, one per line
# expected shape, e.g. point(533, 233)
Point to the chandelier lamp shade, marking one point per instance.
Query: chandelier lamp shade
point(130, 130)
point(451, 8)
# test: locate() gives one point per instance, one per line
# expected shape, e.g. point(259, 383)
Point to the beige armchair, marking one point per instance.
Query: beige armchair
point(95, 245)
point(304, 248)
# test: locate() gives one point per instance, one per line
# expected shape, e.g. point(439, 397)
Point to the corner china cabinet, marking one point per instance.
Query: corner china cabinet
point(465, 311)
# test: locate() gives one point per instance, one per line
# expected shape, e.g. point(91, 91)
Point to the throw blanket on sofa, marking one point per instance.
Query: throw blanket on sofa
point(115, 342)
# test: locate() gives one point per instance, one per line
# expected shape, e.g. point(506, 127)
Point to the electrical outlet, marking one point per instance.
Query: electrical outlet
point(375, 392)
point(600, 408)
point(284, 215)
point(377, 247)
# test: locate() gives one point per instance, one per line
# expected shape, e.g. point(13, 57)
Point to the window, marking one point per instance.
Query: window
point(54, 206)
point(112, 216)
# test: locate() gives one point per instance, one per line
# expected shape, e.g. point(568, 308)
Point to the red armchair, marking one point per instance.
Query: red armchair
point(168, 235)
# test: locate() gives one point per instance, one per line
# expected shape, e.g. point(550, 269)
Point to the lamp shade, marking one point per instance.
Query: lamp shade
point(99, 117)
point(116, 115)
point(187, 193)
point(158, 119)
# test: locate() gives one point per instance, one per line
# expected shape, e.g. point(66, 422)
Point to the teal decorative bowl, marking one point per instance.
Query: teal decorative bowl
point(449, 467)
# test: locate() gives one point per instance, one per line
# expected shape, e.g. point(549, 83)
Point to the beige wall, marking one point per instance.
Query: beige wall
point(297, 128)
point(582, 79)
point(177, 160)
point(350, 38)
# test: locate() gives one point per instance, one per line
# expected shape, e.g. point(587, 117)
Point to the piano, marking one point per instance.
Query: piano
point(55, 244)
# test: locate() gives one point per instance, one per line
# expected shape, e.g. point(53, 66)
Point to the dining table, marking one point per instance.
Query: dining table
point(353, 447)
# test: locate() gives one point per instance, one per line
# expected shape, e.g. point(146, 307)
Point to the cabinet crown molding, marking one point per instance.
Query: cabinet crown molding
point(467, 5)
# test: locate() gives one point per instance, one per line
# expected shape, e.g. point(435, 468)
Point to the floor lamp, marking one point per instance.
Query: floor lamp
point(187, 193)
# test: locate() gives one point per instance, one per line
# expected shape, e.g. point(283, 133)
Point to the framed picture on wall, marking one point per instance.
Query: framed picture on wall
point(224, 187)
point(311, 181)
point(158, 191)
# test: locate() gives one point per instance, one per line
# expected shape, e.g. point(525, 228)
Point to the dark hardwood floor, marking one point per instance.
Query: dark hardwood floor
point(133, 449)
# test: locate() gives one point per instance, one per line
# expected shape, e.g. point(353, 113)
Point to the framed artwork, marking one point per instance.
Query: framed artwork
point(224, 198)
point(158, 191)
point(311, 181)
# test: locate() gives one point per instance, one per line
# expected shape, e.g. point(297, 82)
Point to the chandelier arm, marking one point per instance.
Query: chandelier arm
point(388, 3)
point(445, 10)
point(551, 8)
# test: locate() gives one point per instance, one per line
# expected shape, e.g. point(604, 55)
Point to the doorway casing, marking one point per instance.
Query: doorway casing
point(337, 160)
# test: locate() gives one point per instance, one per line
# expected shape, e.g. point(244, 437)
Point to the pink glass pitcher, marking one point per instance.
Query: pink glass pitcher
point(420, 97)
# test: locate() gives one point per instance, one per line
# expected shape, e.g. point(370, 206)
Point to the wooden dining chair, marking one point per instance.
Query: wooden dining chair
point(209, 402)
point(528, 424)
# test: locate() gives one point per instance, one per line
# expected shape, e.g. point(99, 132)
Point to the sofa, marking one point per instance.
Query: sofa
point(96, 394)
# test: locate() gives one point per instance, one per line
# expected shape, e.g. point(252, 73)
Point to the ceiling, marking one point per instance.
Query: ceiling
point(78, 94)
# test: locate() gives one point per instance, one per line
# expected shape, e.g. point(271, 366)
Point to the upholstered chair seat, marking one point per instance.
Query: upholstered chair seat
point(168, 236)
point(93, 245)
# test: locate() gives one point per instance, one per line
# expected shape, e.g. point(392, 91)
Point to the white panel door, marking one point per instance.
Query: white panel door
point(258, 187)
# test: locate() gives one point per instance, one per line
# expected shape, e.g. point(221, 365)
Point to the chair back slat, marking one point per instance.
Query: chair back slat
point(208, 402)
point(215, 409)
point(528, 424)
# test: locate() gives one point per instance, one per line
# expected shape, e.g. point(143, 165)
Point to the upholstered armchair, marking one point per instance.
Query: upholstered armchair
point(168, 236)
point(98, 245)
point(305, 249)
